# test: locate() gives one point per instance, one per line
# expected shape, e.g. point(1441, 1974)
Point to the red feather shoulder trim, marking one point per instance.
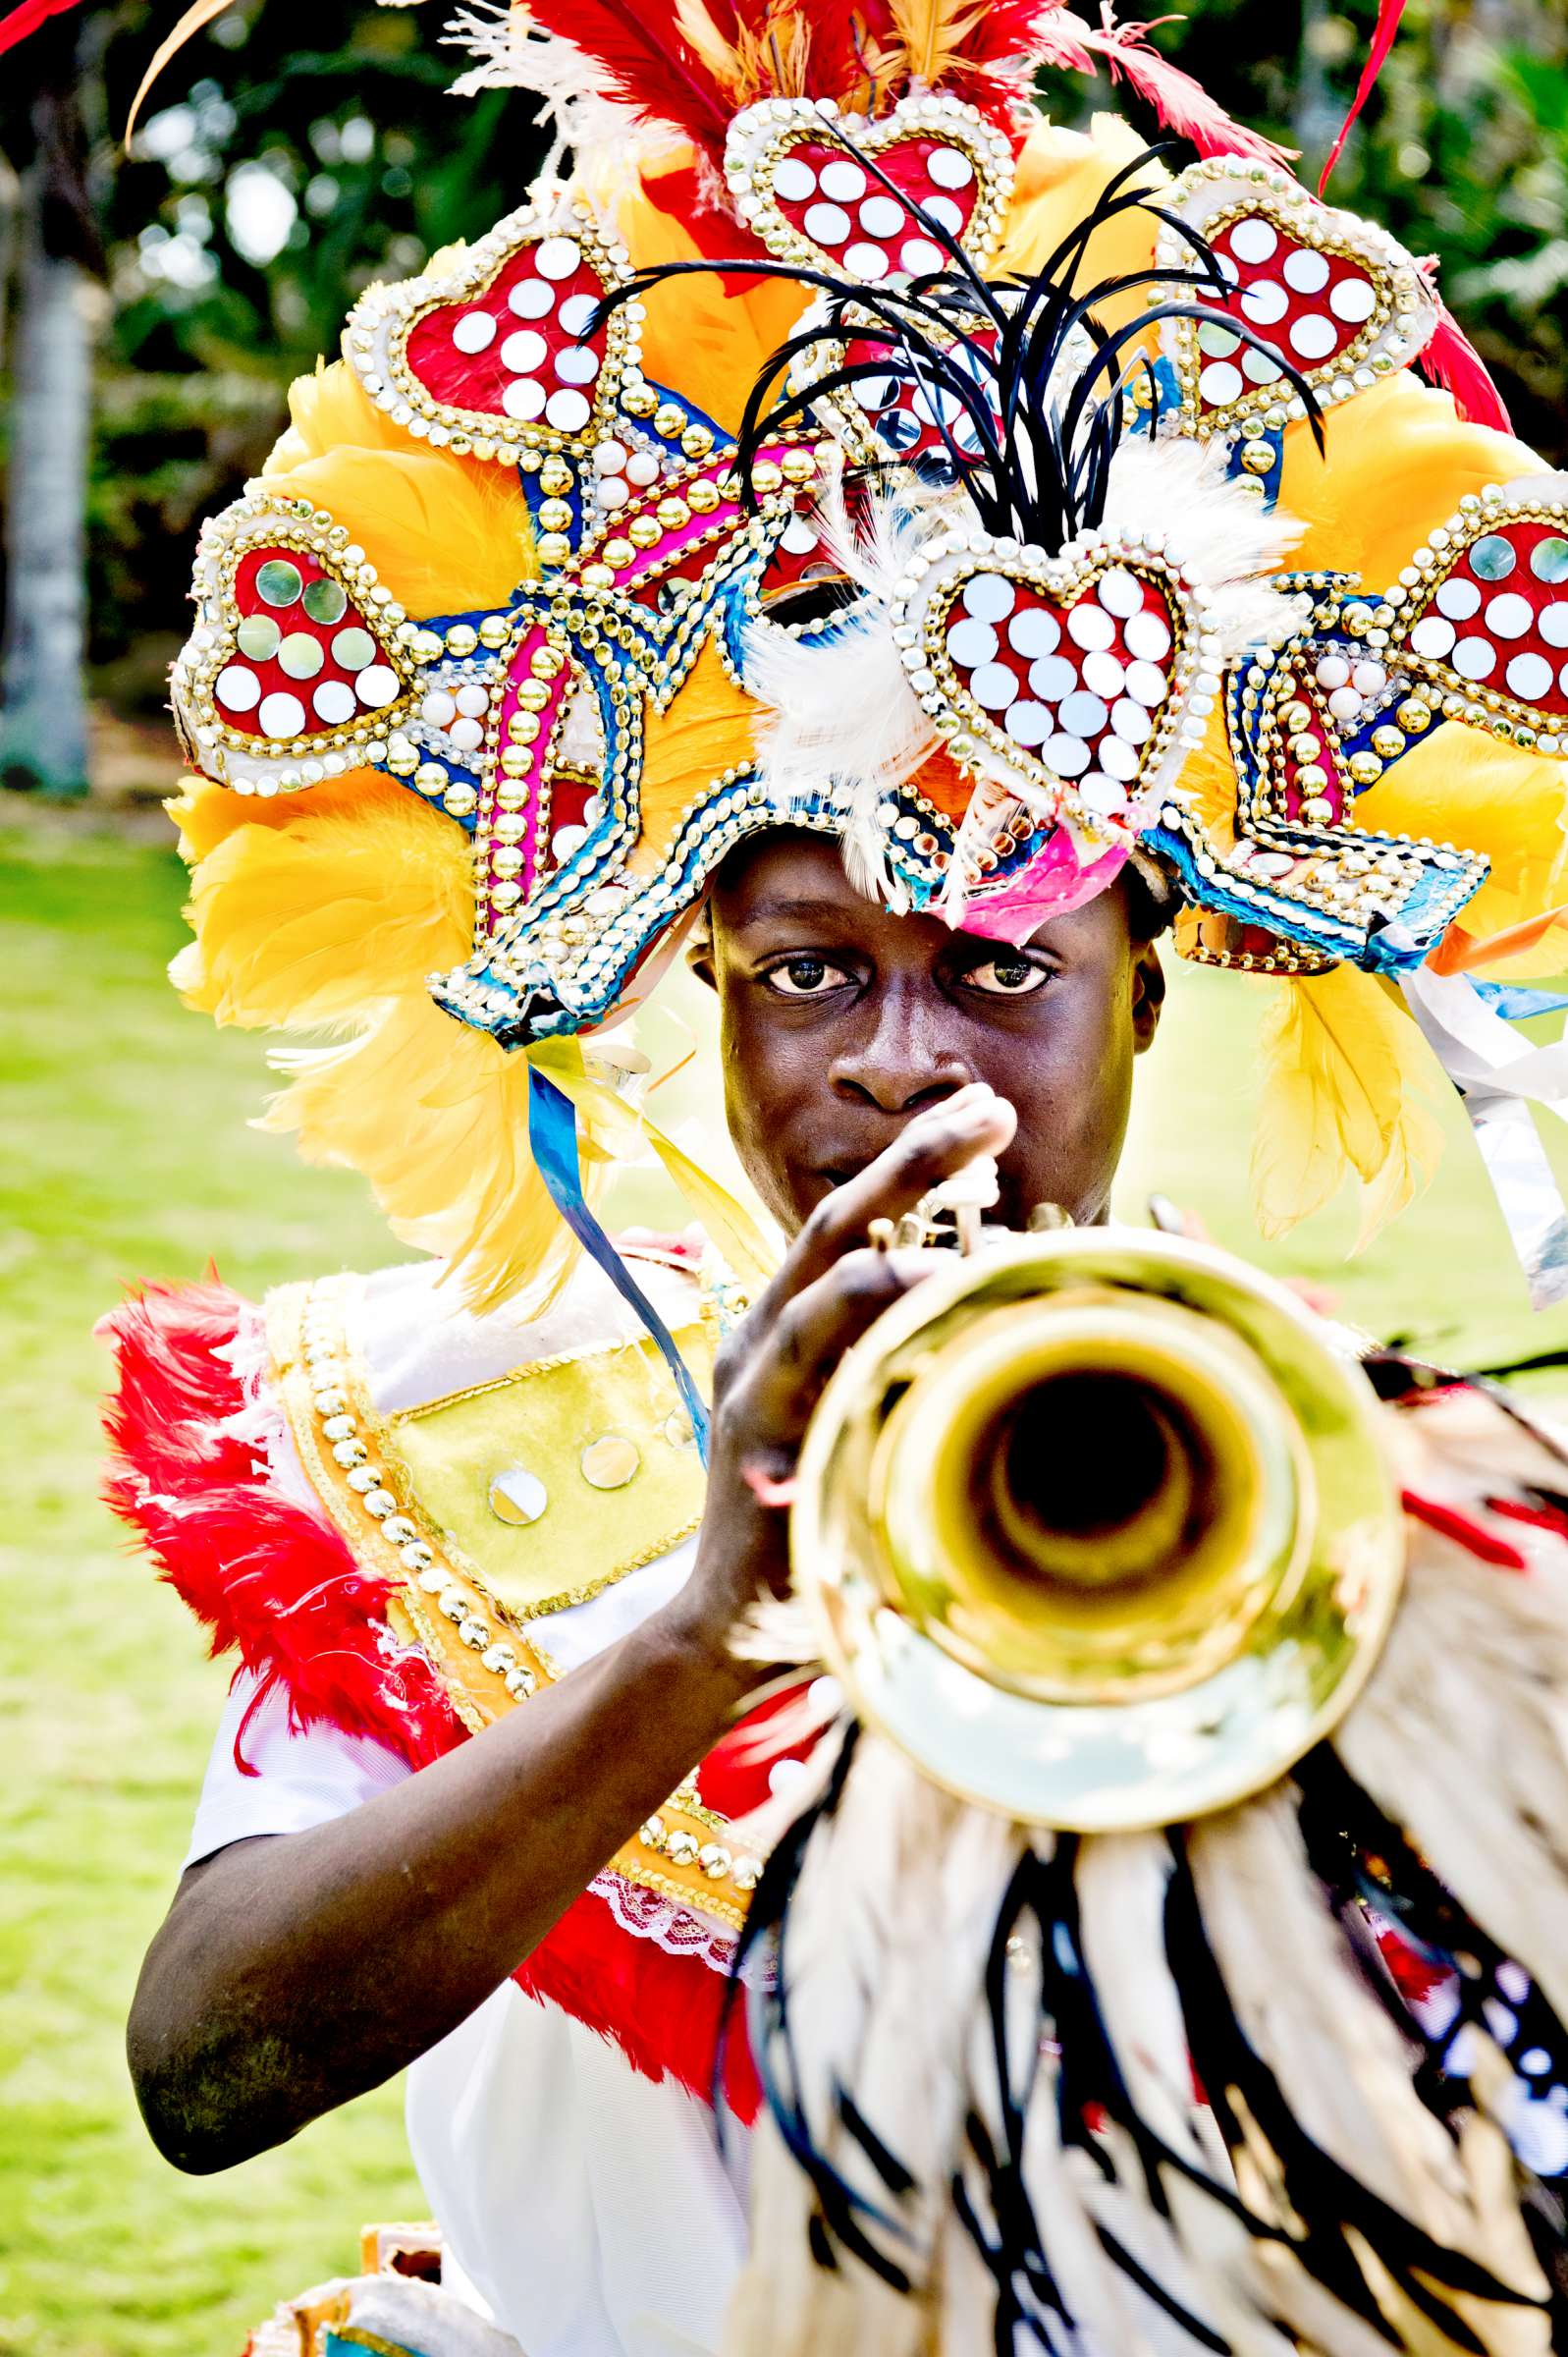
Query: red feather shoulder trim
point(663, 2011)
point(270, 1578)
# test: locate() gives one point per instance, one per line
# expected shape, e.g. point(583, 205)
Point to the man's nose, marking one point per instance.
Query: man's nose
point(901, 1055)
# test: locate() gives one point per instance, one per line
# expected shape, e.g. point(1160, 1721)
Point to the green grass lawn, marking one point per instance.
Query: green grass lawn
point(127, 1154)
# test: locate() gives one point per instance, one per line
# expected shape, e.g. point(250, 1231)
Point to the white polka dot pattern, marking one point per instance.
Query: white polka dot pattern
point(1081, 683)
point(1314, 306)
point(836, 203)
point(1497, 620)
point(518, 348)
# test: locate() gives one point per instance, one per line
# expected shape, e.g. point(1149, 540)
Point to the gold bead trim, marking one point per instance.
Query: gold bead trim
point(1502, 714)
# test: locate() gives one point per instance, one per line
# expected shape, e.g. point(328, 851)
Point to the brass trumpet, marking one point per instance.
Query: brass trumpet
point(1098, 1528)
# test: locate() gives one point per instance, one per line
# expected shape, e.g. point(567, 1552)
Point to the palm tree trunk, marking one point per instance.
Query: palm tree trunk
point(43, 713)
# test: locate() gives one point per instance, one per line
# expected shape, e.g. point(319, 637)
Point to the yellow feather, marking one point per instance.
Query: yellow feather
point(435, 1115)
point(1461, 786)
point(1345, 1088)
point(616, 1129)
point(776, 61)
point(1060, 176)
point(1207, 782)
point(703, 38)
point(1399, 460)
point(205, 813)
point(330, 410)
point(931, 34)
point(706, 730)
point(192, 21)
point(707, 334)
point(353, 899)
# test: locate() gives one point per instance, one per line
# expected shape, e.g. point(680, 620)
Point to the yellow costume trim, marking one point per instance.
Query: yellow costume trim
point(544, 1417)
point(478, 1646)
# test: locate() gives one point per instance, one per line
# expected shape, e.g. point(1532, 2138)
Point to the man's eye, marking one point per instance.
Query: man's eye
point(805, 977)
point(1009, 977)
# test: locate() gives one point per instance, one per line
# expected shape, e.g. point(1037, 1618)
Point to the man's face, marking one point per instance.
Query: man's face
point(840, 1021)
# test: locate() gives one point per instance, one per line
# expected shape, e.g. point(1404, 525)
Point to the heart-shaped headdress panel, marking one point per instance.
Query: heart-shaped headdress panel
point(581, 619)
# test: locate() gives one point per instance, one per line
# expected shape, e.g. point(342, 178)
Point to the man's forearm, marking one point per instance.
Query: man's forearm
point(293, 1974)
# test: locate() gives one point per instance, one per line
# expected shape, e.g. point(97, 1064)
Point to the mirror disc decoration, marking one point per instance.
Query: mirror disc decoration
point(299, 662)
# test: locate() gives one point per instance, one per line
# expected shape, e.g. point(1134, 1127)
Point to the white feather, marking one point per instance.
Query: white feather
point(1121, 1881)
point(511, 54)
point(841, 712)
point(1214, 527)
point(1341, 2066)
point(887, 1935)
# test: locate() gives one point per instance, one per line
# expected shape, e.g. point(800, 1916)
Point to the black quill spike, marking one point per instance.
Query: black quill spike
point(1028, 425)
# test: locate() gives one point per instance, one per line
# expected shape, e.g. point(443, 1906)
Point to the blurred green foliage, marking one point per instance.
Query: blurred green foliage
point(1462, 152)
point(269, 182)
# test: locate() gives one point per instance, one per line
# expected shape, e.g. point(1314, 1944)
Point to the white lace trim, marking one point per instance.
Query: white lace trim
point(648, 1915)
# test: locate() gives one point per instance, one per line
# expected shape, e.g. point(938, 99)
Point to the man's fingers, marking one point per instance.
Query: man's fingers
point(815, 1329)
point(931, 1147)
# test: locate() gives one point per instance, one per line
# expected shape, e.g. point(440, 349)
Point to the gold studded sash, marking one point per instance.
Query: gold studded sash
point(411, 1494)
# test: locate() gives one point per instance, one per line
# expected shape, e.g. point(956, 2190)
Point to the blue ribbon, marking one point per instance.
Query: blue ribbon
point(553, 1136)
point(1516, 1003)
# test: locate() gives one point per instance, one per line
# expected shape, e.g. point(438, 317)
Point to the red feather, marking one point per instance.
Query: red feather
point(684, 192)
point(1006, 32)
point(1464, 1530)
point(1414, 1975)
point(269, 1578)
point(1183, 105)
point(27, 18)
point(1389, 13)
point(1451, 361)
point(653, 72)
point(842, 40)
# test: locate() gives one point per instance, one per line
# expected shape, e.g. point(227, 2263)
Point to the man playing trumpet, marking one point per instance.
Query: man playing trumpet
point(1087, 556)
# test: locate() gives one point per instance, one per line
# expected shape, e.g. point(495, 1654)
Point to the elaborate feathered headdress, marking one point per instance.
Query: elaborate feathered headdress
point(1119, 485)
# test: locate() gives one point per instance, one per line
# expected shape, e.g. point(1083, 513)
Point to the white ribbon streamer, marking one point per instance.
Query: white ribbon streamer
point(1499, 1077)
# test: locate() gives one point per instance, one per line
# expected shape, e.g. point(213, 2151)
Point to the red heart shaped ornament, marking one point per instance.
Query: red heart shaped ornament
point(502, 353)
point(1078, 686)
point(815, 198)
point(293, 671)
point(1335, 297)
point(1491, 624)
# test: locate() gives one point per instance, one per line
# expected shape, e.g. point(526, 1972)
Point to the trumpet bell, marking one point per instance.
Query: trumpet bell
point(1099, 1529)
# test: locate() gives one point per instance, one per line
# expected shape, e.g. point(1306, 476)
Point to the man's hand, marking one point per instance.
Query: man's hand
point(770, 1372)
